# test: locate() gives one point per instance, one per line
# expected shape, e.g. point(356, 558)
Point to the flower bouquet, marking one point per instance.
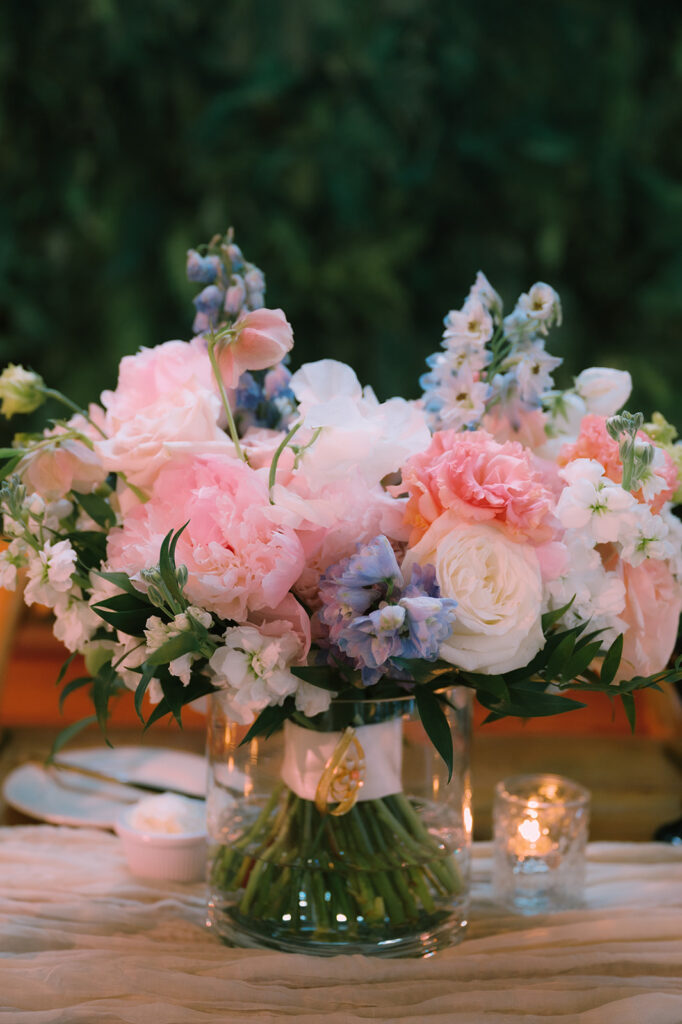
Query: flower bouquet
point(340, 573)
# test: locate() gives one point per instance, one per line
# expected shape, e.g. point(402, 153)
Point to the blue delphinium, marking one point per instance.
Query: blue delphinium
point(377, 621)
point(203, 269)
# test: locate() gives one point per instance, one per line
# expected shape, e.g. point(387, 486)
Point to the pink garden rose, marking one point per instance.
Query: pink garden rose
point(594, 442)
point(238, 560)
point(653, 601)
point(261, 339)
point(480, 480)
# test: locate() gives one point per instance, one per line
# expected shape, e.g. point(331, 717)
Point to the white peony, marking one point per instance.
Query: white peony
point(603, 390)
point(498, 589)
point(358, 433)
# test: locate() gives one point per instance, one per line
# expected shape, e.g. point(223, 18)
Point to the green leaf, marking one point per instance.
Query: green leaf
point(580, 660)
point(493, 684)
point(629, 708)
point(612, 660)
point(122, 580)
point(319, 675)
point(104, 685)
point(549, 618)
point(174, 648)
point(436, 725)
point(63, 670)
point(9, 467)
point(141, 689)
point(270, 720)
point(67, 734)
point(527, 703)
point(74, 684)
point(98, 508)
point(559, 656)
point(124, 612)
point(90, 547)
point(199, 686)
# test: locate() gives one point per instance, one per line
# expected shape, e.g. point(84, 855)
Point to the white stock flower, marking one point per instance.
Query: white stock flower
point(253, 669)
point(498, 590)
point(157, 633)
point(13, 558)
point(594, 502)
point(598, 596)
point(75, 621)
point(603, 389)
point(129, 654)
point(645, 538)
point(49, 573)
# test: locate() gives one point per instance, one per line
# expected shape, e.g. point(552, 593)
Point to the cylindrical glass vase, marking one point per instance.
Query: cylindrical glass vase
point(341, 834)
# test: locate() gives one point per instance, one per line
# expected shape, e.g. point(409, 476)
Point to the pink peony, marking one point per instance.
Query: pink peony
point(166, 405)
point(594, 442)
point(261, 339)
point(238, 559)
point(653, 603)
point(473, 475)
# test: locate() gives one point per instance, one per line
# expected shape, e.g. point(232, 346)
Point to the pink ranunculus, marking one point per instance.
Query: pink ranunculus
point(261, 339)
point(594, 442)
point(653, 603)
point(238, 559)
point(480, 480)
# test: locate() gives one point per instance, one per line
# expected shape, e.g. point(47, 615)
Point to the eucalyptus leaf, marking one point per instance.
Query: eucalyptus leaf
point(436, 725)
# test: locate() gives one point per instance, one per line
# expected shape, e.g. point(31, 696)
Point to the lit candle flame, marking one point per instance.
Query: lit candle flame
point(530, 830)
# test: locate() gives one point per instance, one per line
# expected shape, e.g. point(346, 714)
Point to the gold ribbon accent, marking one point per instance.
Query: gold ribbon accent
point(343, 775)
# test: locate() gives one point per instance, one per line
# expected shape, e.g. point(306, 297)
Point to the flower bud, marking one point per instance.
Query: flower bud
point(20, 390)
point(603, 390)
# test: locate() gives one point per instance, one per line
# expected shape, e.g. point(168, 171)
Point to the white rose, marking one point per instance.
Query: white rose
point(603, 389)
point(498, 590)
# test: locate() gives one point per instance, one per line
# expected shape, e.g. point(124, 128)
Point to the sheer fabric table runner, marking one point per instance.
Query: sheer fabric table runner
point(82, 942)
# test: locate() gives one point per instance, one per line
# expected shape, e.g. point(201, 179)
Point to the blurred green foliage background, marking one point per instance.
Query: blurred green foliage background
point(371, 157)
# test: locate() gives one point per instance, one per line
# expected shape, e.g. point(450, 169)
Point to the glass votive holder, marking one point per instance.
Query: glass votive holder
point(540, 832)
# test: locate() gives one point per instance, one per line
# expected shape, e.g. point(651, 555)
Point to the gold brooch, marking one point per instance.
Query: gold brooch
point(343, 775)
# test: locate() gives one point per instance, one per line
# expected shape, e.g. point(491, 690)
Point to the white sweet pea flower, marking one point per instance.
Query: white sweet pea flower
point(603, 389)
point(49, 573)
point(594, 502)
point(646, 537)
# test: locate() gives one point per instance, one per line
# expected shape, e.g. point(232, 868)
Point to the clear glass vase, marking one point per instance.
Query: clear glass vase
point(342, 834)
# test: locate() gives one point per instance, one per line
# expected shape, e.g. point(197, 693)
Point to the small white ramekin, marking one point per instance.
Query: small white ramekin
point(175, 857)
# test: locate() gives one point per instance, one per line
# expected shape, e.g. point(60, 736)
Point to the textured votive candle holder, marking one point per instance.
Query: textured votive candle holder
point(540, 832)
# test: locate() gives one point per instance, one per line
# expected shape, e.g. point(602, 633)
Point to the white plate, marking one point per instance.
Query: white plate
point(64, 798)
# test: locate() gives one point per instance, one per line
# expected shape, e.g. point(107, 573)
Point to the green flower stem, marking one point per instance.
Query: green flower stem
point(232, 427)
point(52, 393)
point(376, 867)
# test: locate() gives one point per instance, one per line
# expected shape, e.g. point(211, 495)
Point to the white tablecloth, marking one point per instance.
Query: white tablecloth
point(82, 942)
